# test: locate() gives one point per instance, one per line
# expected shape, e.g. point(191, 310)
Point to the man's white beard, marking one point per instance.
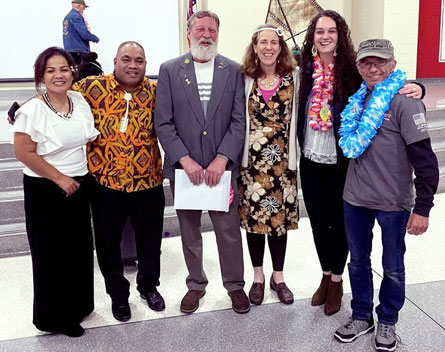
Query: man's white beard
point(203, 53)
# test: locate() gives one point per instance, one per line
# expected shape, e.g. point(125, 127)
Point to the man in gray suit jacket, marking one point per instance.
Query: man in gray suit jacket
point(200, 122)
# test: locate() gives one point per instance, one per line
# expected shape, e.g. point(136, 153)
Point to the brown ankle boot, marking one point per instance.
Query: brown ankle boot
point(333, 301)
point(320, 295)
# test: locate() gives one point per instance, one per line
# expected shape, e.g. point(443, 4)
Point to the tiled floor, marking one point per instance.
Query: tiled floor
point(215, 327)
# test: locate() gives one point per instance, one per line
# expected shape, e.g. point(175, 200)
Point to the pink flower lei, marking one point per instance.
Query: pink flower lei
point(320, 116)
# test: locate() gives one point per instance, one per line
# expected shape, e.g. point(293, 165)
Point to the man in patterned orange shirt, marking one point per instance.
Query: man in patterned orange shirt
point(126, 163)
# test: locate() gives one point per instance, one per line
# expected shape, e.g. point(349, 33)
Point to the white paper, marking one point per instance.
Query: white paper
point(202, 197)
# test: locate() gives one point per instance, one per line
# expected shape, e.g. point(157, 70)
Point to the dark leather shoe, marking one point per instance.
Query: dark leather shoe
point(75, 330)
point(154, 300)
point(190, 302)
point(240, 302)
point(333, 300)
point(121, 311)
point(321, 294)
point(284, 294)
point(256, 293)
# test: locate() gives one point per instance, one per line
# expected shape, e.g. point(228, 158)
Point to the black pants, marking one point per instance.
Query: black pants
point(111, 209)
point(322, 187)
point(61, 243)
point(277, 246)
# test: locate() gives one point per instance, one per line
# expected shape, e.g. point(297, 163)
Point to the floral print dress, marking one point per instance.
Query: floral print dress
point(268, 189)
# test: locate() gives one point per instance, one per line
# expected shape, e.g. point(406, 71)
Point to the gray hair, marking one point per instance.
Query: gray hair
point(201, 14)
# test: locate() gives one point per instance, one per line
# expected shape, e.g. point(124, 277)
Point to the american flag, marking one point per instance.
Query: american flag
point(191, 8)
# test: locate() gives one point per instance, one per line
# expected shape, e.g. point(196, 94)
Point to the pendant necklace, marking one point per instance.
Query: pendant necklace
point(65, 116)
point(269, 84)
point(124, 122)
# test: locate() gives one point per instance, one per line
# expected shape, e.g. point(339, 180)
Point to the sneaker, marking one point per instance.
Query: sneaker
point(353, 329)
point(386, 338)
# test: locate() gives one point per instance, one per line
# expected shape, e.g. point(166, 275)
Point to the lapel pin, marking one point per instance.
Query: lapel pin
point(220, 65)
point(187, 61)
point(187, 81)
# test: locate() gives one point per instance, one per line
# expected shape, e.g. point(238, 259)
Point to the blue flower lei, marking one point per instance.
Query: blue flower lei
point(358, 127)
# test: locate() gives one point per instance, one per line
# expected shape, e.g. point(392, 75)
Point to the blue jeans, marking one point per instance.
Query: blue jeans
point(359, 222)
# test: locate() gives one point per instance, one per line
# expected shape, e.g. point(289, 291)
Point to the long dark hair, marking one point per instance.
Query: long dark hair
point(346, 76)
point(42, 59)
point(251, 65)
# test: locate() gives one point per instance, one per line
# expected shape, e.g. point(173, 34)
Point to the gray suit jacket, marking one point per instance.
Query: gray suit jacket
point(179, 119)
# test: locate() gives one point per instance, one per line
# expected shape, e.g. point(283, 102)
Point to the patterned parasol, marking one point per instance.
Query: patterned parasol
point(293, 16)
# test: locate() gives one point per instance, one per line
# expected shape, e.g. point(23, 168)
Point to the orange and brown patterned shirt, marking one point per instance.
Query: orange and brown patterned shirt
point(129, 161)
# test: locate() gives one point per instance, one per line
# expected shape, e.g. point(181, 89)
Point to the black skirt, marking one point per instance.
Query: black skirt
point(61, 243)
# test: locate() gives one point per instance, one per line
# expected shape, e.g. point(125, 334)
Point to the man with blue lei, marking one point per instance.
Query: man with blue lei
point(386, 136)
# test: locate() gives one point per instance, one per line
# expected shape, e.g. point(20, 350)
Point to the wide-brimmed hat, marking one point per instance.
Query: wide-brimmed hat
point(375, 47)
point(80, 2)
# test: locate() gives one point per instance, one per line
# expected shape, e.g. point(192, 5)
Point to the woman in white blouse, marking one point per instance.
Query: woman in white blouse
point(50, 135)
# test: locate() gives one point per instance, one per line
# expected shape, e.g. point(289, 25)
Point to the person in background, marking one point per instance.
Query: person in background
point(329, 77)
point(76, 31)
point(386, 136)
point(200, 123)
point(50, 134)
point(268, 182)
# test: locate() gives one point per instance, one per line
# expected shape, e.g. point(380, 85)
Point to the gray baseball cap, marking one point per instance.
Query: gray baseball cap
point(375, 47)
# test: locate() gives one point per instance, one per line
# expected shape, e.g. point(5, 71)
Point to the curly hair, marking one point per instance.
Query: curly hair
point(251, 65)
point(346, 76)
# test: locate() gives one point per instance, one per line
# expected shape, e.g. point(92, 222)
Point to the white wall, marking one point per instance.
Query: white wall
point(240, 17)
point(396, 20)
point(401, 26)
point(28, 27)
point(367, 20)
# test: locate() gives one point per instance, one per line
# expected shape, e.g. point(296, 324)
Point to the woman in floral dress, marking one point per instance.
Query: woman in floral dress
point(268, 183)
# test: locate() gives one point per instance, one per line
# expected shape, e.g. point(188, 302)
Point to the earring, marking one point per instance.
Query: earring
point(278, 61)
point(335, 52)
point(314, 51)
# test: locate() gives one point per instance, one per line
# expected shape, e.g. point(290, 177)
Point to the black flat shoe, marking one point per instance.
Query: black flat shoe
point(154, 300)
point(121, 311)
point(75, 330)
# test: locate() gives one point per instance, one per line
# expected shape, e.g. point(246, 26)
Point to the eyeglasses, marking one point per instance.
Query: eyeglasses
point(366, 64)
